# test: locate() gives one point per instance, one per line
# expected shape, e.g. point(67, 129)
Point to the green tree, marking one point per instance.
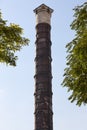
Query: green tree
point(11, 41)
point(75, 76)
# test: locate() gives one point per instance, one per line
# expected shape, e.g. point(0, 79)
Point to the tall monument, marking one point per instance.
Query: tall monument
point(43, 74)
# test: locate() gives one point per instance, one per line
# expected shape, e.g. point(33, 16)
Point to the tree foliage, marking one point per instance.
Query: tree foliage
point(11, 41)
point(75, 76)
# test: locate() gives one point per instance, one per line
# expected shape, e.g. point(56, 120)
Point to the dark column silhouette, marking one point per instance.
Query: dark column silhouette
point(43, 74)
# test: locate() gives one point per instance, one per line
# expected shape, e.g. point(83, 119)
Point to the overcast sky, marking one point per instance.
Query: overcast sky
point(17, 83)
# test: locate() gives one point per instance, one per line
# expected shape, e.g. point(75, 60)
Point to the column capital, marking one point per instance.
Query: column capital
point(43, 14)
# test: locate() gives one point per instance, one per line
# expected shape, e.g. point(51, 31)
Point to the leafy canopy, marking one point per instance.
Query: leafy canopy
point(11, 41)
point(75, 76)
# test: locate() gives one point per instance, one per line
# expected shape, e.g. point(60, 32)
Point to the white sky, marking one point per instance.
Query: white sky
point(17, 84)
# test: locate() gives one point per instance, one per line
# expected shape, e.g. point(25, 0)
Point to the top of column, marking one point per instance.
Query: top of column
point(43, 14)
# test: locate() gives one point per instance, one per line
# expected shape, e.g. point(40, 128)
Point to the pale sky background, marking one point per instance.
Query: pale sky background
point(17, 84)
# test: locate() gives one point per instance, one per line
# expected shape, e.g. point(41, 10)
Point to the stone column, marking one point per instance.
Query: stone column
point(43, 74)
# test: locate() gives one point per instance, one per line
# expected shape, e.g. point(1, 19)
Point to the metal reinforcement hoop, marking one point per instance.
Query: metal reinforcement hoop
point(43, 74)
